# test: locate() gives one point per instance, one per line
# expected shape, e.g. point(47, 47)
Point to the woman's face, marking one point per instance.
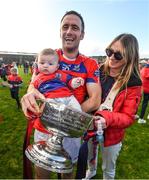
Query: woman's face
point(113, 62)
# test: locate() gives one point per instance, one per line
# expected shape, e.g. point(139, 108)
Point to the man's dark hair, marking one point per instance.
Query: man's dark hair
point(77, 14)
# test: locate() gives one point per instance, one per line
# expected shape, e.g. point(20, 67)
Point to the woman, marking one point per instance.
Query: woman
point(120, 69)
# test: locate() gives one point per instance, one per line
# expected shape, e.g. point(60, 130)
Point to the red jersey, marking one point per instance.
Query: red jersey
point(145, 78)
point(82, 66)
point(14, 80)
point(54, 85)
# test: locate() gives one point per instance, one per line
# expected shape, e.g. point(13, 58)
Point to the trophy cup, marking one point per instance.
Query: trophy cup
point(63, 121)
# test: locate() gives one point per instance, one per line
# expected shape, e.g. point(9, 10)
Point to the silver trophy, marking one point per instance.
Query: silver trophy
point(63, 121)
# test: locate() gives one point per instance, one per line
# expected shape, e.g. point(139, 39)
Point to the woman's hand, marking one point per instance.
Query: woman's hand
point(101, 120)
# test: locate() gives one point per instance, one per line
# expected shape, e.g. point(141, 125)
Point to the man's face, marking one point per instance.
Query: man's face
point(71, 33)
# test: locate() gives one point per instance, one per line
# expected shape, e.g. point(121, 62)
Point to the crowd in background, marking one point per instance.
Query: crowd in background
point(5, 68)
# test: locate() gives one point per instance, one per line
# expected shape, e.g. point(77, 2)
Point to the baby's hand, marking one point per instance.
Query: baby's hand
point(77, 82)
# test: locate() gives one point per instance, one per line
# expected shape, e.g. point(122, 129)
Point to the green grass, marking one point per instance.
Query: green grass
point(132, 163)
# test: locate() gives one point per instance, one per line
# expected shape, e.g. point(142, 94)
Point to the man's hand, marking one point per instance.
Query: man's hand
point(28, 102)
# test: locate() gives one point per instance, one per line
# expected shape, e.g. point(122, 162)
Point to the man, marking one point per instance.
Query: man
point(71, 62)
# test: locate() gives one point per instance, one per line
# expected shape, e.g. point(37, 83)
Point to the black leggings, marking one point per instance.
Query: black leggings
point(144, 104)
point(15, 95)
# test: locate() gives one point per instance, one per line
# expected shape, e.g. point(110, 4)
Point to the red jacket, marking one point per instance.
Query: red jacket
point(124, 109)
point(145, 78)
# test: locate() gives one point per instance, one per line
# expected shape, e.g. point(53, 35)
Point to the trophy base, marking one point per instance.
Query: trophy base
point(49, 158)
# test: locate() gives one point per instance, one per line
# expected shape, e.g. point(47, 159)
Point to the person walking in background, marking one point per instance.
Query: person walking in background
point(15, 82)
point(26, 67)
point(145, 89)
point(3, 72)
point(14, 64)
point(31, 67)
point(75, 64)
point(119, 76)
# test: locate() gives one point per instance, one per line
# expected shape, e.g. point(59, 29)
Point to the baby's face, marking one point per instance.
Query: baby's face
point(47, 64)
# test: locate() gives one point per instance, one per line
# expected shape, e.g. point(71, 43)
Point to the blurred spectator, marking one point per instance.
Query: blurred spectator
point(20, 65)
point(142, 64)
point(31, 67)
point(3, 72)
point(145, 86)
point(15, 82)
point(14, 64)
point(26, 67)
